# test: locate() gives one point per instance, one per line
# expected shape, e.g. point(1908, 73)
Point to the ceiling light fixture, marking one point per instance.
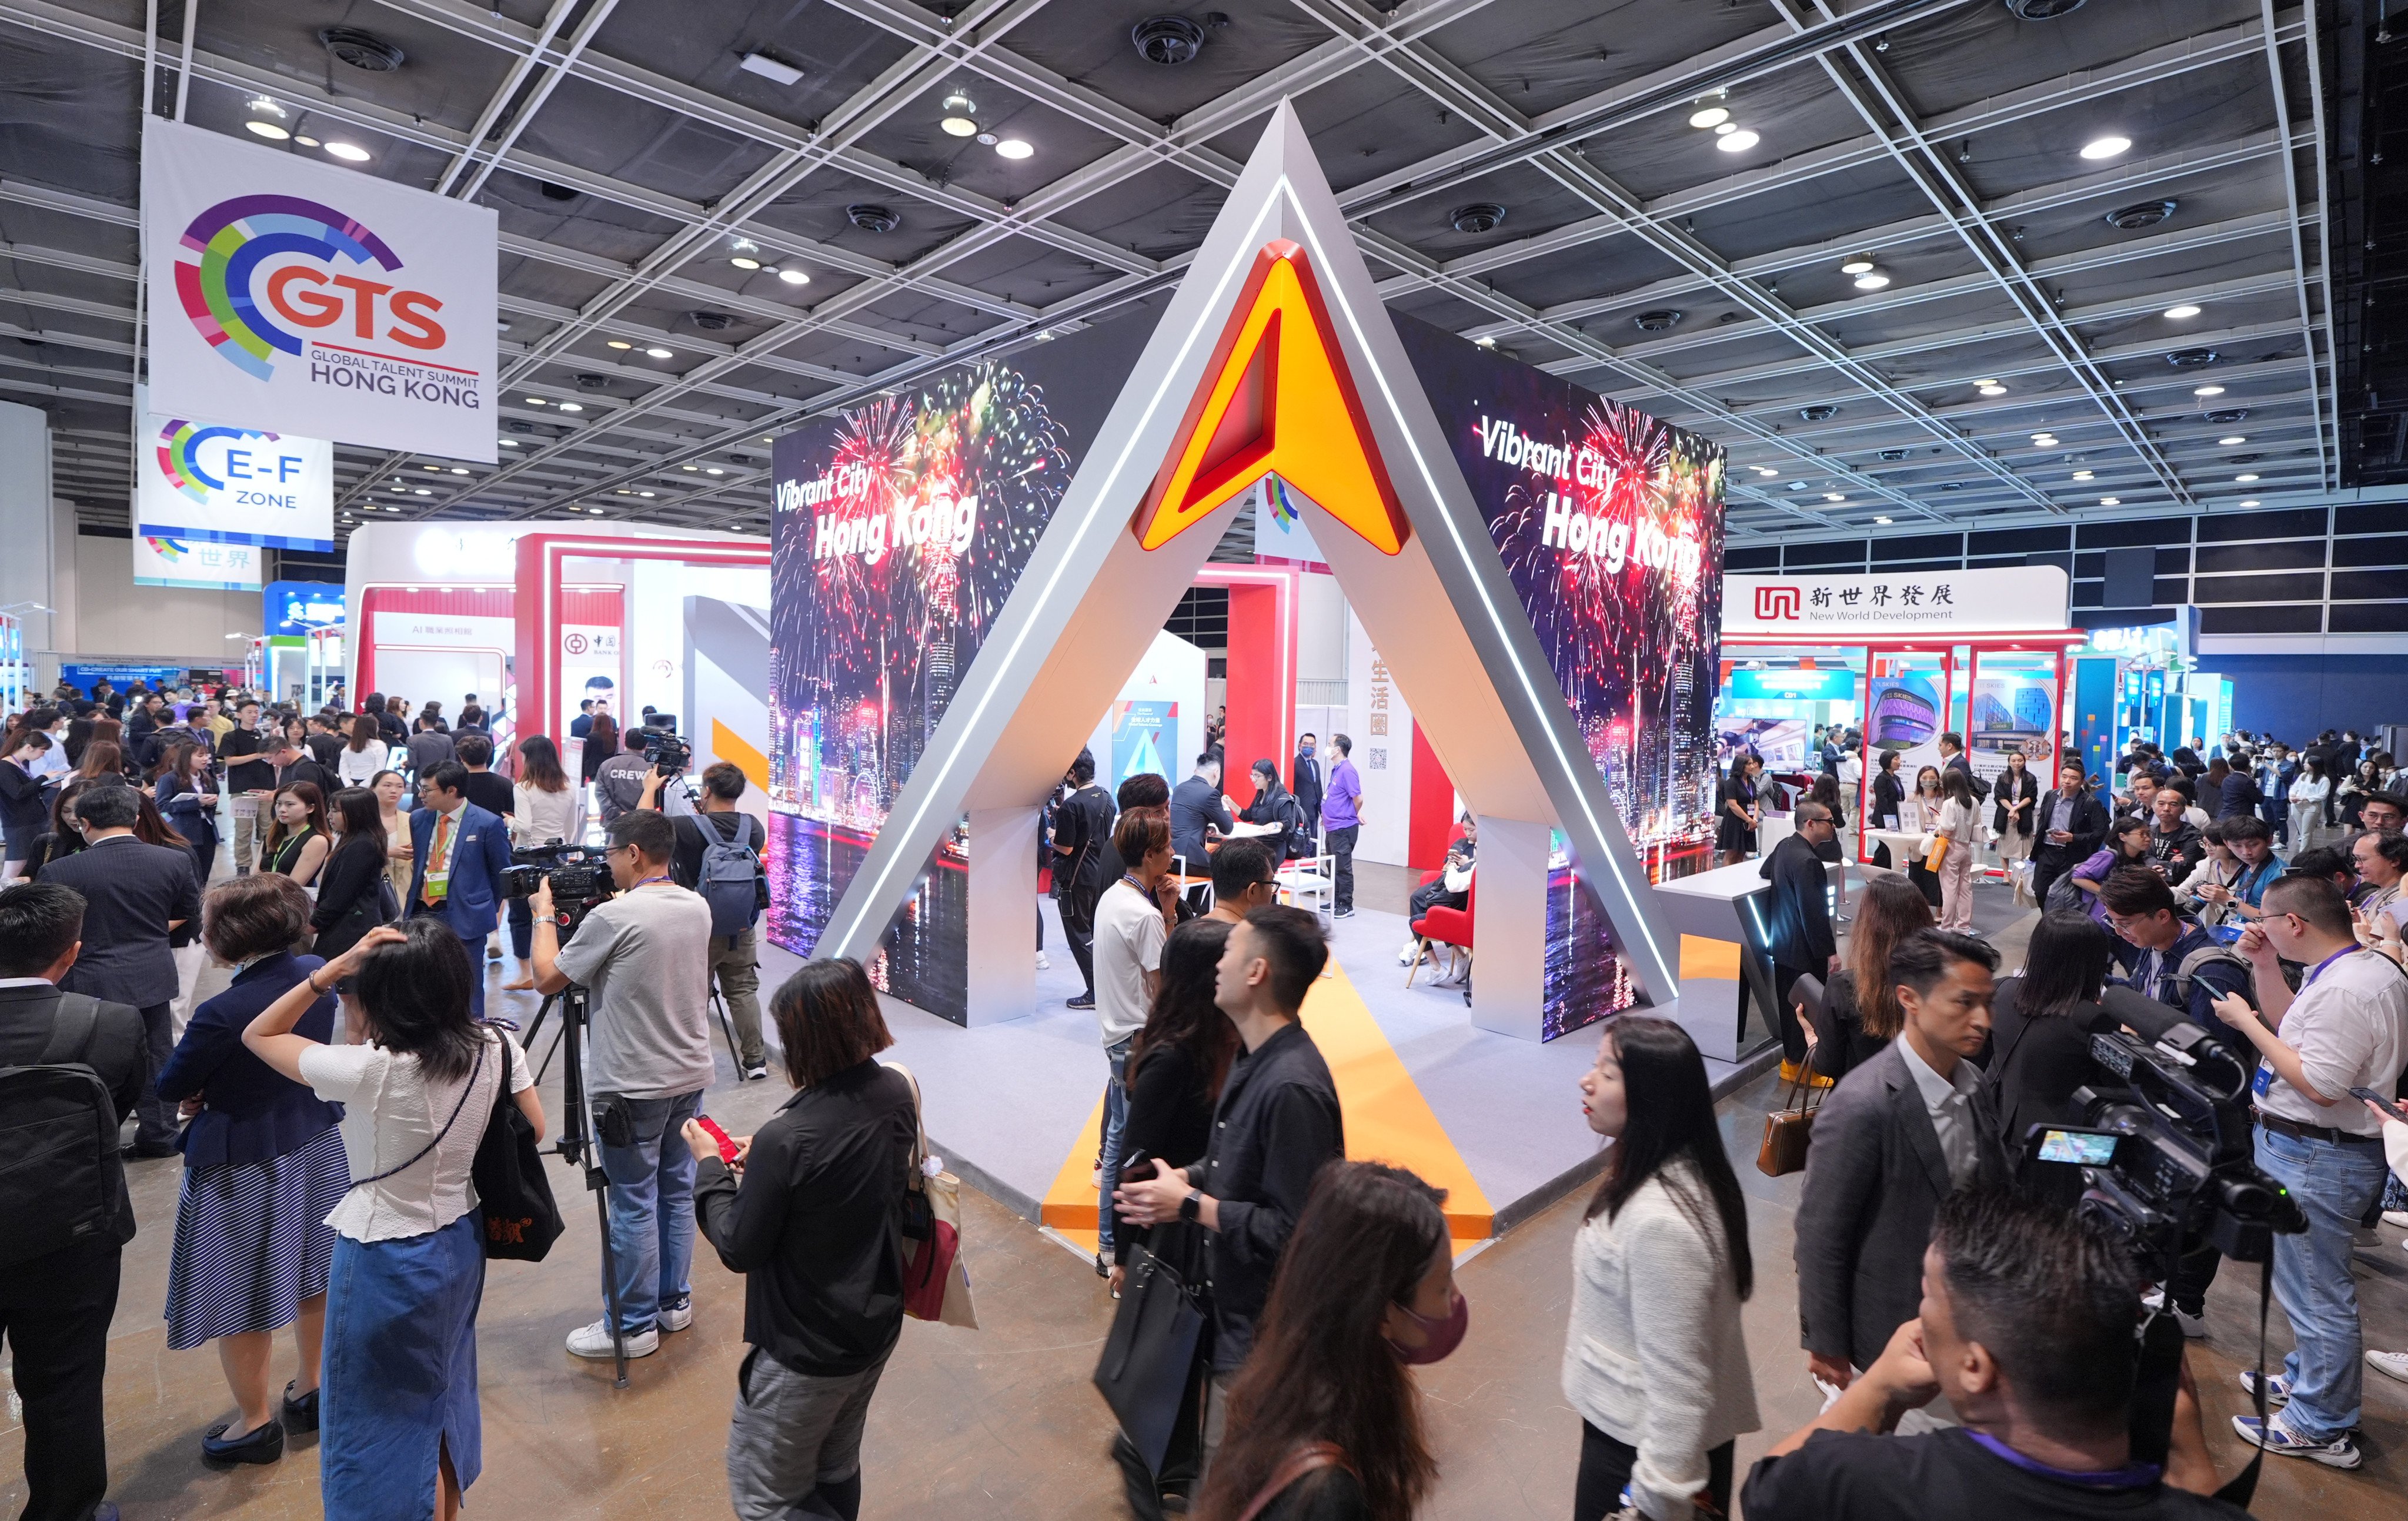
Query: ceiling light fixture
point(571, 406)
point(2107, 147)
point(658, 353)
point(745, 261)
point(1881, 523)
point(1736, 142)
point(1834, 497)
point(2182, 313)
point(1709, 116)
point(1872, 280)
point(2249, 501)
point(713, 469)
point(459, 470)
point(769, 69)
point(268, 130)
point(1013, 148)
point(595, 510)
point(421, 491)
point(348, 152)
point(2083, 475)
point(262, 103)
point(1990, 388)
point(644, 493)
point(1856, 264)
point(1726, 129)
point(2208, 391)
point(689, 468)
point(2244, 479)
point(2232, 438)
point(1765, 470)
point(960, 119)
point(2111, 501)
point(509, 443)
point(305, 140)
point(1487, 342)
point(795, 277)
point(620, 343)
point(534, 401)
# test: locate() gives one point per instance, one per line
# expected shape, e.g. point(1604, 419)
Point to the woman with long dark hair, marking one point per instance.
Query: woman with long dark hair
point(187, 795)
point(814, 1221)
point(547, 810)
point(2041, 1023)
point(1825, 791)
point(399, 1428)
point(2310, 805)
point(2013, 797)
point(1888, 802)
point(1325, 1423)
point(1735, 829)
point(1860, 1009)
point(351, 895)
point(601, 743)
point(363, 755)
point(295, 843)
point(1960, 825)
point(1656, 1361)
point(2127, 846)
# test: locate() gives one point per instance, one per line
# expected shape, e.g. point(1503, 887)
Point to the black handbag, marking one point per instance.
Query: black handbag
point(1149, 1358)
point(521, 1219)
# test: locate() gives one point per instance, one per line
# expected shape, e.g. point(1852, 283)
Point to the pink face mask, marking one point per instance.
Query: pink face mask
point(1443, 1336)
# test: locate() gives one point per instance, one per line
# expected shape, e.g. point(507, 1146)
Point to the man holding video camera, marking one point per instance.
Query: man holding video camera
point(2345, 1029)
point(2025, 1326)
point(644, 958)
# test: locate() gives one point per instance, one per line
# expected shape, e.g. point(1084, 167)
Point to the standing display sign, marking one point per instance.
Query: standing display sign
point(194, 565)
point(292, 296)
point(231, 485)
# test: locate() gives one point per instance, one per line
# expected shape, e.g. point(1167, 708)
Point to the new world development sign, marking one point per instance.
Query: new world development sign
point(298, 298)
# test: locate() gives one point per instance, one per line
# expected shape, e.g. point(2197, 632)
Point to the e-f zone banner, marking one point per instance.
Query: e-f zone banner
point(305, 299)
point(209, 483)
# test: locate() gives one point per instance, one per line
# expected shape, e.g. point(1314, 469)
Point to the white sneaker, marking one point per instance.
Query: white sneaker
point(595, 1341)
point(676, 1318)
point(2396, 1217)
point(1043, 964)
point(1410, 953)
point(2194, 1328)
point(2390, 1364)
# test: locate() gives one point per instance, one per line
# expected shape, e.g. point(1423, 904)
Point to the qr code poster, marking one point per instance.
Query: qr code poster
point(1379, 759)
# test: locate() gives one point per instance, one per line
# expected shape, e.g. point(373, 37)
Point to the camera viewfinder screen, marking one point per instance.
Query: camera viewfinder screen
point(2082, 1146)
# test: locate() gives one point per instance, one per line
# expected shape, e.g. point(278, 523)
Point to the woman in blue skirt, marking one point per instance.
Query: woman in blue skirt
point(400, 1438)
point(262, 1166)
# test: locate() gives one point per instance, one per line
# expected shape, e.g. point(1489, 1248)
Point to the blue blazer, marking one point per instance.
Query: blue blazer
point(255, 1112)
point(472, 902)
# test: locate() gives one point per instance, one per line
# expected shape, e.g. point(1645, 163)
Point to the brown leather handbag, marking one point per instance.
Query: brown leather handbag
point(1789, 1129)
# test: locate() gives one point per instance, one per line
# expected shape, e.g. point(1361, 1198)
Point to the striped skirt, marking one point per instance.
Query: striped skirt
point(252, 1243)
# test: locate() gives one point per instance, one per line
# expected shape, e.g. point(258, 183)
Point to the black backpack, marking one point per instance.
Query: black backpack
point(60, 1176)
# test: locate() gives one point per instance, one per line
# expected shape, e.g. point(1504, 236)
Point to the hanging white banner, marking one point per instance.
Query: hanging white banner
point(316, 301)
point(235, 485)
point(194, 565)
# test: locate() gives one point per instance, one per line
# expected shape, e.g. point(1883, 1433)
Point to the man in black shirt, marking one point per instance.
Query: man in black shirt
point(2072, 825)
point(56, 1308)
point(1277, 1121)
point(325, 745)
point(734, 959)
point(487, 791)
point(2026, 1329)
point(1083, 843)
point(1799, 922)
point(254, 777)
point(293, 764)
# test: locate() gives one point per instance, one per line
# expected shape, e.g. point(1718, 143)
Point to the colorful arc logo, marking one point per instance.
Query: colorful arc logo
point(220, 255)
point(179, 444)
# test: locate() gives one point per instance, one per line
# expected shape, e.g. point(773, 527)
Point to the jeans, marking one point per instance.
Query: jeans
point(737, 966)
point(522, 929)
point(1116, 1120)
point(54, 1313)
point(651, 1205)
point(1340, 845)
point(2333, 1183)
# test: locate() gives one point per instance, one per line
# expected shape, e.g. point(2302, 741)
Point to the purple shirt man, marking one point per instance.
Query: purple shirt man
point(1337, 801)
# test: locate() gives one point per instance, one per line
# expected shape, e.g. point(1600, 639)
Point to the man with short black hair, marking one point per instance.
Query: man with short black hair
point(1276, 1125)
point(294, 763)
point(1129, 935)
point(735, 961)
point(1953, 758)
point(2174, 844)
point(1342, 825)
point(1194, 804)
point(1243, 879)
point(135, 896)
point(1083, 833)
point(1305, 781)
point(325, 745)
point(644, 957)
point(2380, 859)
point(2346, 1028)
point(2251, 843)
point(619, 780)
point(2025, 1325)
point(582, 725)
point(2072, 823)
point(56, 1308)
point(2383, 811)
point(1798, 928)
point(486, 789)
point(249, 780)
point(1899, 1133)
point(458, 853)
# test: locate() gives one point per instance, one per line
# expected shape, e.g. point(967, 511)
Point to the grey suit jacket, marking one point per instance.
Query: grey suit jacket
point(1874, 1180)
point(131, 891)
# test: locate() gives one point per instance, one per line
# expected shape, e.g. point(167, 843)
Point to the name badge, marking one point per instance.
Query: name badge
point(2264, 1082)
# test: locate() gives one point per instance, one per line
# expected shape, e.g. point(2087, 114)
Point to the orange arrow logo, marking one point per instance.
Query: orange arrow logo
point(1280, 400)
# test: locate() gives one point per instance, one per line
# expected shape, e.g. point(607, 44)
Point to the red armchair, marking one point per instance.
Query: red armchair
point(1449, 927)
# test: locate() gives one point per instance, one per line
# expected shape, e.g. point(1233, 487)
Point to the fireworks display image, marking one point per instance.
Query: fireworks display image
point(901, 527)
point(1610, 526)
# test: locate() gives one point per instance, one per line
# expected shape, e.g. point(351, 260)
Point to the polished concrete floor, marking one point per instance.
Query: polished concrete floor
point(1001, 1423)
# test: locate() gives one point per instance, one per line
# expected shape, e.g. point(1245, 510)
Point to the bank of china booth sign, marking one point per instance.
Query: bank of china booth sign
point(315, 302)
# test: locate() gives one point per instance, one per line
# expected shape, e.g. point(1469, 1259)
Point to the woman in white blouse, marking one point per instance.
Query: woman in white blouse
point(548, 810)
point(1961, 823)
point(363, 756)
point(399, 1428)
point(2311, 790)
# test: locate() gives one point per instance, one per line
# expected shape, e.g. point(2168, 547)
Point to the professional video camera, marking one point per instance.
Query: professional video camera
point(667, 750)
point(2166, 1151)
point(579, 878)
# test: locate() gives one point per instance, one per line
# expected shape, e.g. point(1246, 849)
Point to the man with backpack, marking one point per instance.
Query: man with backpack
point(718, 854)
point(2178, 962)
point(72, 1067)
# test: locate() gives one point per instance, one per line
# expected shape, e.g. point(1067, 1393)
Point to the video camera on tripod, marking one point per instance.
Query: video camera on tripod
point(579, 878)
point(666, 748)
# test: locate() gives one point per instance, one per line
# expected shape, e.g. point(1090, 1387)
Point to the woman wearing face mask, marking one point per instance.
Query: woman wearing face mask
point(1656, 1361)
point(1323, 1423)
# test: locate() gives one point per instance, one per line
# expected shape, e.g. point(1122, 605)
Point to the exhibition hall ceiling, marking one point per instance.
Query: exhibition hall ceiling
point(1910, 261)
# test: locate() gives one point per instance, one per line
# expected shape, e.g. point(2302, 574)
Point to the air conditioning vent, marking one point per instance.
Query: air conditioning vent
point(1479, 217)
point(588, 381)
point(872, 219)
point(1823, 413)
point(1894, 455)
point(710, 322)
point(1662, 320)
point(2042, 10)
point(2191, 358)
point(2133, 218)
point(1168, 40)
point(360, 50)
point(557, 192)
point(2224, 415)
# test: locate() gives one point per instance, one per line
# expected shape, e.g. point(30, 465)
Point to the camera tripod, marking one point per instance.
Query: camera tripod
point(577, 1143)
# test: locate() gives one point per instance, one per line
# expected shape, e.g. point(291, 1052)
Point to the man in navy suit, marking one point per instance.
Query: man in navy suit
point(459, 851)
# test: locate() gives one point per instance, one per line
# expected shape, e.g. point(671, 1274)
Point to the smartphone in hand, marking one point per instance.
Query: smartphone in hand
point(2388, 1105)
point(1136, 1166)
point(726, 1144)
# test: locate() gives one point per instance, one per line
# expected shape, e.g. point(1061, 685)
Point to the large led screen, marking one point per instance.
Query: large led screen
point(1610, 526)
point(902, 525)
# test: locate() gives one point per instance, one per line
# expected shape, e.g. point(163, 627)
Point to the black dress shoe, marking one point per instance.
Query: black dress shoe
point(300, 1415)
point(150, 1153)
point(264, 1445)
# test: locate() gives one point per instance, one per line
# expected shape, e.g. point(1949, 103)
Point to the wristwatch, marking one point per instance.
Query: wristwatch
point(1193, 1205)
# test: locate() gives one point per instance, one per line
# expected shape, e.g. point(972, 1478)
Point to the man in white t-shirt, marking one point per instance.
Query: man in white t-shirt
point(2346, 1028)
point(1129, 933)
point(644, 956)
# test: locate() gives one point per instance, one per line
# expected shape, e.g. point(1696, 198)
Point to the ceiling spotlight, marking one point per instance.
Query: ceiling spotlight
point(2249, 501)
point(1013, 147)
point(745, 260)
point(2111, 501)
point(1856, 264)
point(305, 140)
point(1736, 142)
point(2244, 479)
point(1834, 497)
point(620, 343)
point(1881, 523)
point(509, 443)
point(644, 493)
point(1991, 388)
point(2232, 438)
point(1726, 129)
point(2108, 147)
point(438, 468)
point(268, 130)
point(1765, 470)
point(960, 119)
point(713, 469)
point(595, 510)
point(689, 468)
point(260, 102)
point(570, 406)
point(459, 470)
point(1711, 116)
point(1487, 342)
point(534, 401)
point(2208, 391)
point(2082, 475)
point(421, 491)
point(1872, 280)
point(658, 353)
point(348, 152)
point(2182, 313)
point(795, 277)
